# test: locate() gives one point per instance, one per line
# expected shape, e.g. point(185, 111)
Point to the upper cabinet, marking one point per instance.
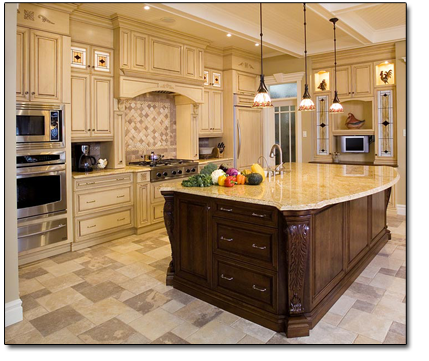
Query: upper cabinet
point(354, 81)
point(39, 66)
point(245, 83)
point(91, 59)
point(211, 114)
point(213, 79)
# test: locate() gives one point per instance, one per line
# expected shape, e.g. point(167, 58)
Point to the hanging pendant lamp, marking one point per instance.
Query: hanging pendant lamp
point(336, 106)
point(262, 97)
point(306, 102)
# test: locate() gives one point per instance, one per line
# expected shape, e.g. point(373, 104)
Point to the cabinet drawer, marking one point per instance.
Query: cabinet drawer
point(157, 212)
point(256, 245)
point(103, 198)
point(143, 177)
point(250, 286)
point(155, 194)
point(247, 213)
point(105, 222)
point(102, 181)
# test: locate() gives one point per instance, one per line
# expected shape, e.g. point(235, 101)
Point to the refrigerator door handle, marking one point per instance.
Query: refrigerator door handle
point(239, 139)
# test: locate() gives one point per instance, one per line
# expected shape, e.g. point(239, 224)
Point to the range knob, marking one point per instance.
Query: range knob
point(193, 170)
point(180, 171)
point(173, 172)
point(188, 170)
point(165, 174)
point(158, 174)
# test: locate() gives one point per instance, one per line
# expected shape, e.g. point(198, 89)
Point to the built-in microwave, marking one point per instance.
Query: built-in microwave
point(355, 144)
point(39, 125)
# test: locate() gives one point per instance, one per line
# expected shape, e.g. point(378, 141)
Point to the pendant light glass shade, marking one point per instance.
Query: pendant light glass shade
point(306, 104)
point(336, 106)
point(262, 98)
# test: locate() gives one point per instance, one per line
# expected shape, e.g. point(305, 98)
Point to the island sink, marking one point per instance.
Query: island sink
point(279, 254)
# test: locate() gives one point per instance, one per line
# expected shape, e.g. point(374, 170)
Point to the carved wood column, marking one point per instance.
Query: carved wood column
point(169, 225)
point(297, 234)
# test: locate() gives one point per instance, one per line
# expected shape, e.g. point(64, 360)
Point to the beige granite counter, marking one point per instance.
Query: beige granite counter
point(214, 160)
point(305, 186)
point(101, 172)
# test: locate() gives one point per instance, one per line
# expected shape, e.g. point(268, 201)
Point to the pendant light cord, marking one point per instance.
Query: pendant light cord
point(260, 22)
point(305, 43)
point(335, 56)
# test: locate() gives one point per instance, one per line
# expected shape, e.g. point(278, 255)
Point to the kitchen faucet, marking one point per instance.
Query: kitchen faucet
point(272, 154)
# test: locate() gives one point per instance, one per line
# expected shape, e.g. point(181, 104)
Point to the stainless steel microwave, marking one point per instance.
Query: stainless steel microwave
point(40, 125)
point(355, 144)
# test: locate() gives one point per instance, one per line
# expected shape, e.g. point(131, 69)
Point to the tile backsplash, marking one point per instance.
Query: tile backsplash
point(150, 126)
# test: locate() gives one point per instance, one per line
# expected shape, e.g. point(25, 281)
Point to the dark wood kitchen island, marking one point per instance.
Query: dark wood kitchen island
point(279, 254)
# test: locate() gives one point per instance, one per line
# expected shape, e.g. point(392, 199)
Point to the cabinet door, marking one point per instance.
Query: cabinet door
point(193, 251)
point(80, 57)
point(362, 80)
point(102, 106)
point(245, 83)
point(166, 57)
point(80, 105)
point(139, 51)
point(119, 139)
point(249, 137)
point(343, 82)
point(200, 64)
point(45, 66)
point(204, 124)
point(101, 61)
point(217, 111)
point(190, 70)
point(142, 203)
point(124, 49)
point(22, 65)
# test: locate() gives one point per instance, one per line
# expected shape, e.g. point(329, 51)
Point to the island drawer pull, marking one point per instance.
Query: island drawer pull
point(91, 201)
point(255, 246)
point(119, 179)
point(226, 239)
point(91, 226)
point(258, 215)
point(122, 196)
point(226, 278)
point(88, 183)
point(226, 209)
point(120, 219)
point(259, 289)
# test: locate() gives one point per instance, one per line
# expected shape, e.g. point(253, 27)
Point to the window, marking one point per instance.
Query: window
point(285, 116)
point(280, 91)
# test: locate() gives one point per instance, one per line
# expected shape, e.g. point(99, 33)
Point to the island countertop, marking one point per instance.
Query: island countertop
point(304, 186)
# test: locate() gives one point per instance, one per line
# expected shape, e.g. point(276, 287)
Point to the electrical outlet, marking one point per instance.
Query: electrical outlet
point(304, 134)
point(404, 132)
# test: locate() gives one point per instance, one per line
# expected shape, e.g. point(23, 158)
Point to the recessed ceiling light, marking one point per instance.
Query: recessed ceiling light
point(228, 35)
point(168, 20)
point(146, 7)
point(257, 44)
point(386, 62)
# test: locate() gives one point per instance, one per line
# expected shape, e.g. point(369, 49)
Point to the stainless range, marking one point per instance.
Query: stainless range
point(167, 169)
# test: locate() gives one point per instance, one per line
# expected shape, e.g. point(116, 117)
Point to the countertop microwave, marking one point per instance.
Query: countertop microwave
point(355, 144)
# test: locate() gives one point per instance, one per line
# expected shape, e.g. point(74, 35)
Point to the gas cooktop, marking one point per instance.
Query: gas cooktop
point(166, 169)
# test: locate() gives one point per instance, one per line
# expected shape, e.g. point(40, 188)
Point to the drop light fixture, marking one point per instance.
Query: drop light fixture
point(262, 97)
point(336, 106)
point(306, 102)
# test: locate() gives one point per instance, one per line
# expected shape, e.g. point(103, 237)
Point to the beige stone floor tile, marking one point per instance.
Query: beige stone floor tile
point(140, 284)
point(363, 280)
point(98, 263)
point(82, 259)
point(364, 306)
point(169, 339)
point(387, 250)
point(80, 326)
point(62, 337)
point(45, 277)
point(391, 309)
point(125, 248)
point(366, 324)
point(129, 316)
point(38, 272)
point(147, 301)
point(29, 286)
point(394, 339)
point(370, 272)
point(136, 339)
point(185, 329)
point(399, 254)
point(33, 337)
point(281, 339)
point(365, 293)
point(249, 340)
point(156, 323)
point(121, 258)
point(19, 328)
point(227, 318)
point(101, 291)
point(141, 257)
point(343, 305)
point(63, 268)
point(332, 319)
point(198, 313)
point(59, 299)
point(39, 264)
point(101, 311)
point(58, 283)
point(250, 328)
point(112, 331)
point(216, 332)
point(160, 253)
point(135, 269)
point(172, 306)
point(124, 295)
point(105, 275)
point(362, 340)
point(324, 333)
point(389, 283)
point(385, 262)
point(162, 288)
point(35, 312)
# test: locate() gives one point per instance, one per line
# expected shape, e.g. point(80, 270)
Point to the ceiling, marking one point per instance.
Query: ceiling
point(360, 24)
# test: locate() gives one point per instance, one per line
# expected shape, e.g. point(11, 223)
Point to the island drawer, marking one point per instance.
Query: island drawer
point(101, 181)
point(253, 244)
point(247, 212)
point(251, 286)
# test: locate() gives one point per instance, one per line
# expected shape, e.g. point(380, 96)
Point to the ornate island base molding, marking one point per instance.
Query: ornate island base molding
point(281, 269)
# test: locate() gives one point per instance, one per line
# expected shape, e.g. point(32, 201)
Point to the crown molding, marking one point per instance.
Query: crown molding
point(232, 50)
point(63, 7)
point(91, 18)
point(214, 50)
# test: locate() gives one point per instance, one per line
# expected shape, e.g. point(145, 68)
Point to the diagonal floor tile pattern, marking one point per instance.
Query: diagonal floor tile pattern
point(115, 293)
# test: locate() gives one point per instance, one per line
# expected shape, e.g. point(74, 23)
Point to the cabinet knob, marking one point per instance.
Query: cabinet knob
point(89, 130)
point(349, 93)
point(89, 66)
point(93, 66)
point(120, 161)
point(33, 93)
point(93, 130)
point(26, 93)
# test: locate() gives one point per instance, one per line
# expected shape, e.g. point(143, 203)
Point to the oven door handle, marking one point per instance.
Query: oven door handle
point(28, 171)
point(45, 231)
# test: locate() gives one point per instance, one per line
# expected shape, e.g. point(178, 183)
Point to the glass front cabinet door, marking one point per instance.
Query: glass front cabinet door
point(386, 127)
point(323, 128)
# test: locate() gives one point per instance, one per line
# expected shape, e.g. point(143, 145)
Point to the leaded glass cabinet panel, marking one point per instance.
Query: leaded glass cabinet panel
point(385, 124)
point(322, 125)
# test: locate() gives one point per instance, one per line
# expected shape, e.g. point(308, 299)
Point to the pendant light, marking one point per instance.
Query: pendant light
point(306, 102)
point(262, 97)
point(336, 106)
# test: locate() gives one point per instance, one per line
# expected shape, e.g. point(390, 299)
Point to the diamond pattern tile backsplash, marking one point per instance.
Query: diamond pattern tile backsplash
point(150, 125)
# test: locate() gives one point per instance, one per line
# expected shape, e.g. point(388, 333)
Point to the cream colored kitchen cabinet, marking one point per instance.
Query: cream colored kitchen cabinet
point(91, 107)
point(343, 82)
point(249, 137)
point(213, 79)
point(142, 205)
point(22, 64)
point(354, 81)
point(245, 83)
point(116, 154)
point(211, 120)
point(166, 56)
point(91, 59)
point(138, 51)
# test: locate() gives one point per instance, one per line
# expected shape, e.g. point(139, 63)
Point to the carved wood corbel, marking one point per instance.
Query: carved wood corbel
point(169, 225)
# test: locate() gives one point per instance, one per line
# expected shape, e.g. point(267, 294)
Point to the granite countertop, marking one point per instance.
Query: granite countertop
point(305, 186)
point(210, 160)
point(101, 172)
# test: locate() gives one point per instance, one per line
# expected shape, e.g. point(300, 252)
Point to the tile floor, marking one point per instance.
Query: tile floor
point(115, 293)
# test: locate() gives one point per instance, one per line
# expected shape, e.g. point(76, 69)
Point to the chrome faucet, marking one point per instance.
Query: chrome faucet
point(272, 154)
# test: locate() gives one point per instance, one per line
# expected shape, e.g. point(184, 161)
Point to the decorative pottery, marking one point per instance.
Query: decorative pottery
point(353, 123)
point(102, 163)
point(385, 76)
